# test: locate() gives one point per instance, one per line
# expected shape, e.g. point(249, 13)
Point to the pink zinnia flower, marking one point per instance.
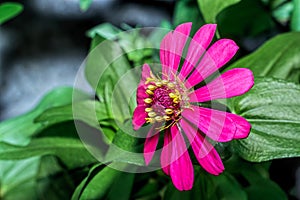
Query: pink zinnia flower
point(171, 105)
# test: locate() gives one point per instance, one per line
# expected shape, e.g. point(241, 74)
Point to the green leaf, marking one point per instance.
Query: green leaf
point(70, 150)
point(126, 147)
point(272, 107)
point(209, 187)
point(108, 72)
point(210, 9)
point(85, 4)
point(17, 178)
point(295, 20)
point(19, 130)
point(278, 57)
point(255, 179)
point(90, 112)
point(9, 10)
point(234, 23)
point(99, 184)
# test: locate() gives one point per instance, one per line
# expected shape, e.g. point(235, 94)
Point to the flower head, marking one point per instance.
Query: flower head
point(170, 104)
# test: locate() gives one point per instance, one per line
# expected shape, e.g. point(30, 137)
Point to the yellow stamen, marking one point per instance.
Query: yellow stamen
point(176, 100)
point(165, 82)
point(151, 114)
point(167, 118)
point(151, 87)
point(158, 84)
point(169, 111)
point(148, 100)
point(172, 95)
point(149, 92)
point(150, 120)
point(171, 85)
point(159, 118)
point(148, 109)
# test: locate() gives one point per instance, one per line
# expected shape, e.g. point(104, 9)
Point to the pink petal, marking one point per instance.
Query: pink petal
point(165, 48)
point(243, 127)
point(205, 153)
point(146, 72)
point(151, 143)
point(165, 158)
point(215, 124)
point(139, 116)
point(141, 94)
point(181, 168)
point(197, 46)
point(216, 56)
point(232, 83)
point(171, 48)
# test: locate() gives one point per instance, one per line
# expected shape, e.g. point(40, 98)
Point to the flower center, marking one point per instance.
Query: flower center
point(165, 101)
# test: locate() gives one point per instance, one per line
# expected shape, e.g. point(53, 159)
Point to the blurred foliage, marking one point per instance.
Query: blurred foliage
point(42, 156)
point(9, 10)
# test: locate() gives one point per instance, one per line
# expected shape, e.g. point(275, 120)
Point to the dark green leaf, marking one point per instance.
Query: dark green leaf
point(126, 147)
point(278, 57)
point(19, 130)
point(255, 179)
point(187, 11)
point(9, 10)
point(252, 21)
point(70, 150)
point(210, 9)
point(272, 107)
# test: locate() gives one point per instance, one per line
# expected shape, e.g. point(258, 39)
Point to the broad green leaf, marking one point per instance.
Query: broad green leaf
point(272, 107)
point(210, 9)
point(18, 130)
point(90, 112)
point(278, 57)
point(99, 184)
point(70, 150)
point(85, 4)
point(9, 10)
point(122, 188)
point(17, 178)
point(79, 189)
point(295, 20)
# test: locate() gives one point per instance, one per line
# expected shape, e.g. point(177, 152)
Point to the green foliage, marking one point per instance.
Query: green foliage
point(272, 107)
point(19, 130)
point(253, 21)
point(85, 4)
point(70, 150)
point(188, 11)
point(295, 21)
point(210, 9)
point(9, 10)
point(278, 57)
